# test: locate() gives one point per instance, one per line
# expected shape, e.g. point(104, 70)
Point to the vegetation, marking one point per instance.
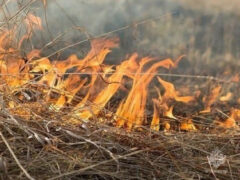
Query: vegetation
point(64, 114)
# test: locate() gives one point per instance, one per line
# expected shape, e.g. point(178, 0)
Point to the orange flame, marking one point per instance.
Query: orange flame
point(227, 97)
point(231, 121)
point(171, 93)
point(169, 113)
point(187, 125)
point(132, 109)
point(102, 83)
point(156, 119)
point(114, 83)
point(209, 100)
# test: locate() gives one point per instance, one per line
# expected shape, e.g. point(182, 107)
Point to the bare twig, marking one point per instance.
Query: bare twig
point(15, 158)
point(95, 165)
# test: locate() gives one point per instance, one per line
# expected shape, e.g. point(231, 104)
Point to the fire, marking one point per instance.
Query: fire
point(169, 113)
point(110, 89)
point(211, 98)
point(155, 124)
point(227, 97)
point(133, 107)
point(94, 92)
point(187, 125)
point(231, 121)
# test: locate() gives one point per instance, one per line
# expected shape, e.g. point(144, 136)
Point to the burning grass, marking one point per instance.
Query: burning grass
point(82, 118)
point(84, 87)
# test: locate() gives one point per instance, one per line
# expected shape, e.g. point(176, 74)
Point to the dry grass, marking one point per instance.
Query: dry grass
point(49, 150)
point(46, 147)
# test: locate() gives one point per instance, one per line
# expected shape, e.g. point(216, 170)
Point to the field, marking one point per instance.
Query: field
point(131, 89)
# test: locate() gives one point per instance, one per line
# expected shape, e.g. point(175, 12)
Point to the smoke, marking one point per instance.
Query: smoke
point(66, 22)
point(202, 30)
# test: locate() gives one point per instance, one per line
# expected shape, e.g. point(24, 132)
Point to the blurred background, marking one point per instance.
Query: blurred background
point(206, 31)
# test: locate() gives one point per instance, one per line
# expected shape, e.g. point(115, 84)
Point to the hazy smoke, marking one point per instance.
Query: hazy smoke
point(201, 29)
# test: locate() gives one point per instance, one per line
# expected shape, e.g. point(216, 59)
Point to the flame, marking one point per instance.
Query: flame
point(163, 108)
point(156, 119)
point(167, 126)
point(114, 83)
point(162, 101)
point(10, 73)
point(209, 100)
point(227, 97)
point(169, 113)
point(133, 107)
point(231, 121)
point(171, 93)
point(92, 83)
point(187, 125)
